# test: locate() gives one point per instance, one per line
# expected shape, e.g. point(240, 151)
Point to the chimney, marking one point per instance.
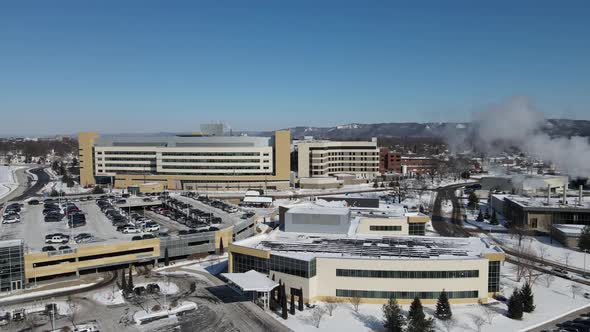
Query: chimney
point(548, 194)
point(580, 194)
point(565, 194)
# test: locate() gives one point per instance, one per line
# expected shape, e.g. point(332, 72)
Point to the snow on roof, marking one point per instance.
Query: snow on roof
point(570, 229)
point(257, 199)
point(306, 246)
point(316, 209)
point(251, 281)
point(541, 201)
point(252, 193)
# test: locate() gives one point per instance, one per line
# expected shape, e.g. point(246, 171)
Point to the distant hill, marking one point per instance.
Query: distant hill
point(355, 131)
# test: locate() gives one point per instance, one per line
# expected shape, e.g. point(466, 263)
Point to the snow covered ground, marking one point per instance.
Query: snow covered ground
point(551, 302)
point(8, 181)
point(181, 307)
point(60, 186)
point(544, 246)
point(43, 292)
point(113, 295)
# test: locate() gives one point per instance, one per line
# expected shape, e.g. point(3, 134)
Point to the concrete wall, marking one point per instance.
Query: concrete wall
point(86, 157)
point(317, 222)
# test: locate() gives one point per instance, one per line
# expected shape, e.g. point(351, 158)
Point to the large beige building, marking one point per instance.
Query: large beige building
point(325, 158)
point(186, 162)
point(327, 267)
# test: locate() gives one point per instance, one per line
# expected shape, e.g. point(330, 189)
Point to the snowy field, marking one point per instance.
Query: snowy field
point(113, 295)
point(545, 247)
point(551, 302)
point(60, 186)
point(8, 181)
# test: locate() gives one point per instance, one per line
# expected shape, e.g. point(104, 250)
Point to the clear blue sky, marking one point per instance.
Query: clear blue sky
point(144, 66)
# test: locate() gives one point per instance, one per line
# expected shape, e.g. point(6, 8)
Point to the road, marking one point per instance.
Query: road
point(549, 326)
point(442, 224)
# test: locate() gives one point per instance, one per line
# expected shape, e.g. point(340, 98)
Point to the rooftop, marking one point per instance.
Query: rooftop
point(317, 209)
point(555, 202)
point(251, 281)
point(308, 246)
point(570, 229)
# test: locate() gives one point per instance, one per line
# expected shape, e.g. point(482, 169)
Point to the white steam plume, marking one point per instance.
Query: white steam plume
point(515, 123)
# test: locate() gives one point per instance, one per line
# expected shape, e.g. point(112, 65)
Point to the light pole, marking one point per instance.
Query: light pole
point(585, 252)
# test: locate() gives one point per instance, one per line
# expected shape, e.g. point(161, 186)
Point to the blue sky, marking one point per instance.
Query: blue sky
point(144, 66)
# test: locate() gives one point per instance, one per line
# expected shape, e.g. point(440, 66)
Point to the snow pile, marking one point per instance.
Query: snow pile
point(44, 292)
point(8, 180)
point(167, 288)
point(213, 267)
point(183, 306)
point(109, 297)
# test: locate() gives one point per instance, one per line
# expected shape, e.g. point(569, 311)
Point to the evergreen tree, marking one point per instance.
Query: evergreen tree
point(375, 184)
point(221, 246)
point(300, 299)
point(526, 295)
point(584, 241)
point(394, 320)
point(285, 315)
point(443, 307)
point(473, 201)
point(479, 216)
point(417, 321)
point(166, 257)
point(515, 305)
point(123, 281)
point(494, 220)
point(130, 281)
point(292, 307)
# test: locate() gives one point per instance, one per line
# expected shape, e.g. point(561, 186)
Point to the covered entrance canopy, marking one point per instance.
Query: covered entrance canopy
point(256, 283)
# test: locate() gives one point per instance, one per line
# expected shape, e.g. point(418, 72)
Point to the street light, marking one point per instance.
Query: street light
point(585, 252)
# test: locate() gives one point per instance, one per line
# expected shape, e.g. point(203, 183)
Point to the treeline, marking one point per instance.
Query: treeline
point(40, 148)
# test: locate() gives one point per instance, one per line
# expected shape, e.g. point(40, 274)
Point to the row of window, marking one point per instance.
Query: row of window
point(407, 274)
point(493, 276)
point(208, 167)
point(385, 228)
point(404, 295)
point(244, 263)
point(211, 154)
point(130, 172)
point(140, 153)
point(417, 229)
point(129, 159)
point(214, 160)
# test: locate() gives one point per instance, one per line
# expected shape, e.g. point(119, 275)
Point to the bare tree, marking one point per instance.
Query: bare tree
point(566, 257)
point(548, 279)
point(478, 321)
point(524, 265)
point(488, 312)
point(355, 301)
point(542, 250)
point(331, 304)
point(576, 290)
point(519, 231)
point(72, 310)
point(448, 324)
point(316, 315)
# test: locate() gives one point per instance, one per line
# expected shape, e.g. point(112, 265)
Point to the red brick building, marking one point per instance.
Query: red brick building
point(394, 162)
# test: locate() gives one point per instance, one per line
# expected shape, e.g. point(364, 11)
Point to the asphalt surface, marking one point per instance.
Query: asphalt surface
point(444, 225)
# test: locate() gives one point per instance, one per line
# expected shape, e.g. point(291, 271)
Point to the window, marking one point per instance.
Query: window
point(404, 295)
point(385, 228)
point(533, 222)
point(493, 277)
point(407, 274)
point(417, 229)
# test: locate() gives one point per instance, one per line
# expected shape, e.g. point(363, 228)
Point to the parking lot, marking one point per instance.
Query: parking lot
point(32, 228)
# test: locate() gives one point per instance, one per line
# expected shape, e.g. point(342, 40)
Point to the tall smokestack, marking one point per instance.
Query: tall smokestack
point(580, 196)
point(548, 194)
point(565, 194)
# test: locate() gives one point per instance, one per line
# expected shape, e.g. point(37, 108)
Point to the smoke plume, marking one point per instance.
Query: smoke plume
point(516, 124)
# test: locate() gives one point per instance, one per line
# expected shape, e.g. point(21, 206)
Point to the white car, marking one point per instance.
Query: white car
point(11, 219)
point(152, 228)
point(130, 230)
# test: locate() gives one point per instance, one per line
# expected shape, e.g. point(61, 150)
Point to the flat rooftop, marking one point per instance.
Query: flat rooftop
point(555, 202)
point(570, 229)
point(318, 209)
point(308, 246)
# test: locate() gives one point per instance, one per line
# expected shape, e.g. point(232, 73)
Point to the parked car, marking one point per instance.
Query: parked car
point(53, 217)
point(48, 248)
point(83, 238)
point(136, 238)
point(11, 219)
point(64, 248)
point(152, 227)
point(153, 288)
point(147, 236)
point(34, 202)
point(561, 273)
point(57, 238)
point(130, 229)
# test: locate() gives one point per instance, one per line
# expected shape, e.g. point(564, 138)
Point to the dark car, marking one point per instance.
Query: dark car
point(34, 202)
point(136, 238)
point(153, 288)
point(147, 236)
point(64, 248)
point(500, 298)
point(139, 291)
point(53, 217)
point(48, 248)
point(76, 223)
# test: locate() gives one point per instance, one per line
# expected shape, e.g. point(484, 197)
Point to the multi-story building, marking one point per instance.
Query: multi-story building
point(389, 161)
point(317, 158)
point(186, 162)
point(12, 266)
point(375, 268)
